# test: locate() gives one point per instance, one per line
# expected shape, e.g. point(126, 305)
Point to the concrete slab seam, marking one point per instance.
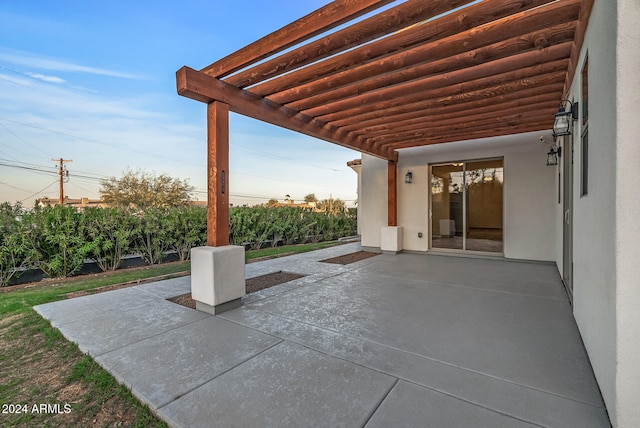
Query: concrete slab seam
point(157, 334)
point(465, 369)
point(320, 351)
point(447, 284)
point(220, 374)
point(381, 401)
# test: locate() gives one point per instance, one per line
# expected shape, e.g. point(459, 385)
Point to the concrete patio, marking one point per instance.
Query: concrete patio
point(395, 340)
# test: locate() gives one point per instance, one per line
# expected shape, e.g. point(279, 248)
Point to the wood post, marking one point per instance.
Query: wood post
point(218, 174)
point(392, 188)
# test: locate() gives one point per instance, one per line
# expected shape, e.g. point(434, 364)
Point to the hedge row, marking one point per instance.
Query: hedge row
point(59, 239)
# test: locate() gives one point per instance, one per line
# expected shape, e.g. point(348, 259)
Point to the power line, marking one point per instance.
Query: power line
point(100, 142)
point(29, 197)
point(270, 155)
point(14, 187)
point(81, 188)
point(22, 139)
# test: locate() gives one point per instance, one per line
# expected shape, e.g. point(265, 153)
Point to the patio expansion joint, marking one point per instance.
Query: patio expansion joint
point(152, 336)
point(399, 378)
point(373, 412)
point(177, 397)
point(465, 369)
point(488, 290)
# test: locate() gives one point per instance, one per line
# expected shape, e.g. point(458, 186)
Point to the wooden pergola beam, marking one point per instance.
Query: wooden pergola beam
point(317, 22)
point(458, 94)
point(442, 122)
point(424, 108)
point(411, 12)
point(489, 108)
point(583, 22)
point(458, 51)
point(399, 84)
point(511, 121)
point(474, 135)
point(202, 87)
point(466, 80)
point(386, 49)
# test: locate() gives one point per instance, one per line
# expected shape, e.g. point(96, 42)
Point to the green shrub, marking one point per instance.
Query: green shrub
point(153, 237)
point(16, 252)
point(189, 229)
point(58, 239)
point(112, 231)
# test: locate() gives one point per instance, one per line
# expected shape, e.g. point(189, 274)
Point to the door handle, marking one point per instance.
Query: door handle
point(566, 216)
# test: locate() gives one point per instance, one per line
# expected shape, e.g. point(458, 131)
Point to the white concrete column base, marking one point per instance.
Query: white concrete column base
point(217, 277)
point(391, 239)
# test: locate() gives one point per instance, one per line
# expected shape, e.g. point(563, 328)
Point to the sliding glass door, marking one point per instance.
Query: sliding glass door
point(466, 206)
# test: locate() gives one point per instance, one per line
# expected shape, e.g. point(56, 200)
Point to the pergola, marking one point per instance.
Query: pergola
point(422, 72)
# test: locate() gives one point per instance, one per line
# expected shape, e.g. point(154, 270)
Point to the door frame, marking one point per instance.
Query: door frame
point(567, 216)
point(464, 208)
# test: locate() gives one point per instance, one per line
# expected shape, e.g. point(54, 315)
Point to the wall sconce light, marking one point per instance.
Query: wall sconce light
point(561, 124)
point(555, 152)
point(408, 178)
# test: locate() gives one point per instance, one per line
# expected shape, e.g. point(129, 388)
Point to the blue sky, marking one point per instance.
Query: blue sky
point(95, 82)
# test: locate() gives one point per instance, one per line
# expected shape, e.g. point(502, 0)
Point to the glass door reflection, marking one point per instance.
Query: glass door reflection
point(483, 189)
point(466, 206)
point(447, 208)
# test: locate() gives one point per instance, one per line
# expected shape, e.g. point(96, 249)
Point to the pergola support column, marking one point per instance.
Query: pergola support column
point(217, 270)
point(218, 174)
point(392, 189)
point(391, 237)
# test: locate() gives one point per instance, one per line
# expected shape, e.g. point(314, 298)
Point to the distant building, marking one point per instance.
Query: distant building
point(80, 203)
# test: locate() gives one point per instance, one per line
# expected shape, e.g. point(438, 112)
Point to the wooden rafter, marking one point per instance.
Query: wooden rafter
point(379, 25)
point(414, 74)
point(323, 19)
point(458, 34)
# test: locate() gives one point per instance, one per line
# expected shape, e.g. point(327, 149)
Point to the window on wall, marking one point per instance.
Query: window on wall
point(584, 149)
point(584, 180)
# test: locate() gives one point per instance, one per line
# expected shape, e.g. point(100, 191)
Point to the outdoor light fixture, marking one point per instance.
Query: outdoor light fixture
point(554, 153)
point(408, 178)
point(561, 124)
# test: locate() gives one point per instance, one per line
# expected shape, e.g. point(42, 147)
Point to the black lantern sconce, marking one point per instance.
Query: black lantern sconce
point(561, 123)
point(408, 178)
point(555, 152)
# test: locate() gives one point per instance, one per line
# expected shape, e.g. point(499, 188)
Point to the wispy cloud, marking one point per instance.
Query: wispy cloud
point(45, 78)
point(58, 64)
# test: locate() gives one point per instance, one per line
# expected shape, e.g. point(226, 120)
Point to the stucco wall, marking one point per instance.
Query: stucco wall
point(373, 200)
point(594, 230)
point(530, 193)
point(628, 214)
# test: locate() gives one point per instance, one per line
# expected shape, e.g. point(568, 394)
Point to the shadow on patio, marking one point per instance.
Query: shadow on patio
point(406, 340)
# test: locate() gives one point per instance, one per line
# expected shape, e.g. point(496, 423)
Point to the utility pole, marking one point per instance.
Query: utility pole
point(62, 172)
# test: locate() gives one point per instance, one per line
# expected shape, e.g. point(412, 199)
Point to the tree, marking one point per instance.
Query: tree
point(311, 197)
point(143, 190)
point(332, 206)
point(272, 203)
